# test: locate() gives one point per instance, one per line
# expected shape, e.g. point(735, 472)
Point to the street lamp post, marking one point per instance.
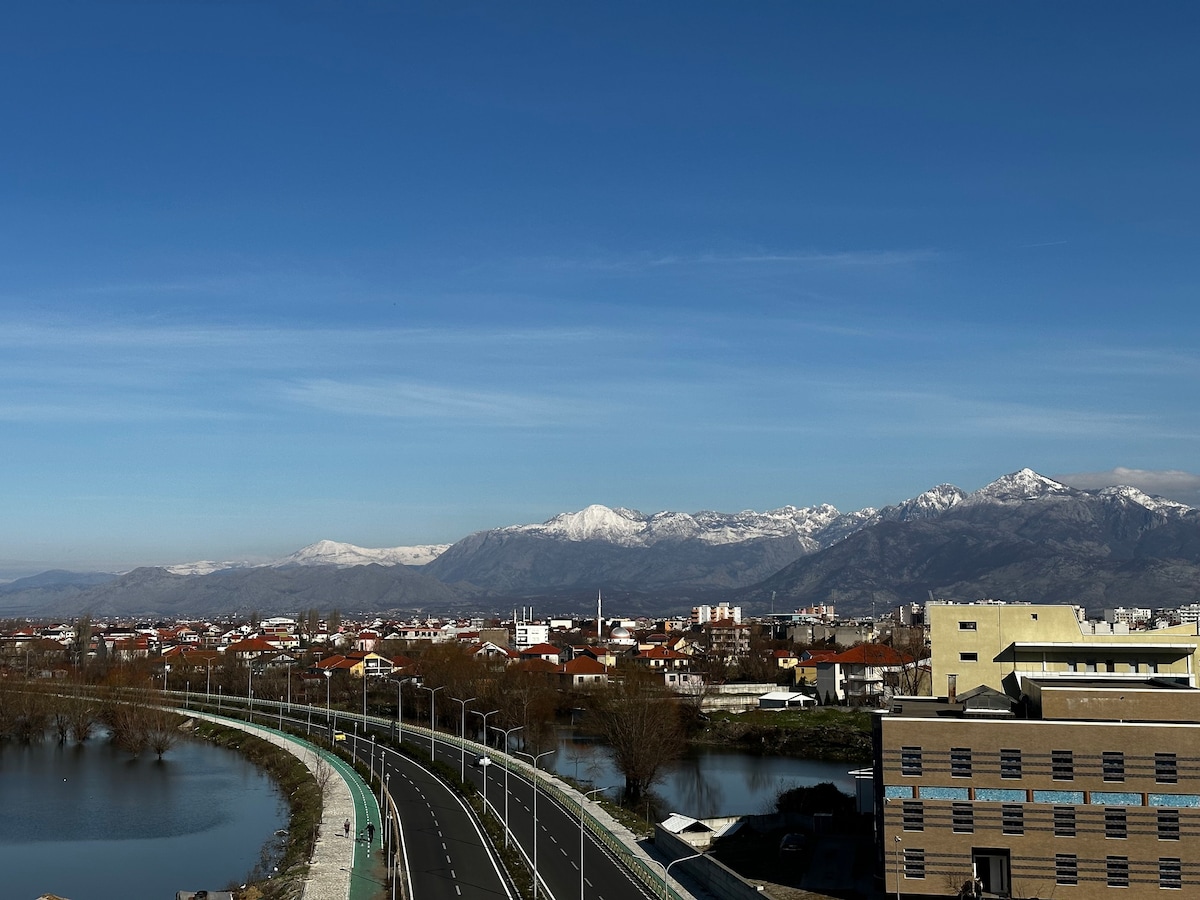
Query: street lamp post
point(506, 733)
point(667, 868)
point(584, 797)
point(484, 765)
point(432, 720)
point(250, 690)
point(534, 759)
point(462, 738)
point(208, 684)
point(399, 682)
point(328, 678)
point(896, 843)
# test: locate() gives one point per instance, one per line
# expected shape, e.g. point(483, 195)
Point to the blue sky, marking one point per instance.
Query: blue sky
point(390, 273)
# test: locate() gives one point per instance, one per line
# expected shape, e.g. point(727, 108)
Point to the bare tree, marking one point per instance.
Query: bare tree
point(162, 730)
point(640, 722)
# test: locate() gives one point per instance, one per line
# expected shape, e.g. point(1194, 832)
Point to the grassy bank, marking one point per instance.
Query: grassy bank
point(826, 733)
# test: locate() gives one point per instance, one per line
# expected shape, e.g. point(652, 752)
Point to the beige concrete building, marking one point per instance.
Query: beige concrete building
point(998, 644)
point(1082, 787)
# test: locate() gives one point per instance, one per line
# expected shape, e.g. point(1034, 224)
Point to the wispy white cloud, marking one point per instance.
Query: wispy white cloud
point(419, 400)
point(936, 411)
point(639, 262)
point(841, 259)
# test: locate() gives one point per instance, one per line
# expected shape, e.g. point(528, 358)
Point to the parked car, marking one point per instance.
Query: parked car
point(792, 843)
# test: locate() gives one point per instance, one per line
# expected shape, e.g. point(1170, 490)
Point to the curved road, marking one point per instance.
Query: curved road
point(446, 854)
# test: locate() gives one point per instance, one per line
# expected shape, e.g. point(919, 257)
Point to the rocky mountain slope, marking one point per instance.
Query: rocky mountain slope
point(1023, 537)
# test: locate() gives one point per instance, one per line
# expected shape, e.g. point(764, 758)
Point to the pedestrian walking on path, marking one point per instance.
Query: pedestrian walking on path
point(371, 833)
point(346, 827)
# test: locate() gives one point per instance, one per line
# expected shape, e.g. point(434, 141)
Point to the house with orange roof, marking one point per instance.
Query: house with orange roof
point(583, 671)
point(548, 652)
point(358, 665)
point(864, 675)
point(661, 658)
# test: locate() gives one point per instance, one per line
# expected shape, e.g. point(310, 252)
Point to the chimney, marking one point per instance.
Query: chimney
point(952, 688)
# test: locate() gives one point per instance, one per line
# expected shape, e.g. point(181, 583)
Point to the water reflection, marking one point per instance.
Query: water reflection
point(707, 781)
point(130, 827)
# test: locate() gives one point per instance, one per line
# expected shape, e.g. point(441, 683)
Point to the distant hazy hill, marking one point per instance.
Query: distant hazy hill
point(159, 593)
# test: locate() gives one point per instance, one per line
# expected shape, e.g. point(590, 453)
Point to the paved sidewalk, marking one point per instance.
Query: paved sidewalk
point(336, 857)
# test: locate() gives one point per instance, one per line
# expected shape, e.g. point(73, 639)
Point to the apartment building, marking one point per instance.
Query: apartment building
point(1080, 787)
point(998, 644)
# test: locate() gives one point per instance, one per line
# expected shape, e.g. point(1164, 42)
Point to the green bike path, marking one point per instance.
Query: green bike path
point(343, 867)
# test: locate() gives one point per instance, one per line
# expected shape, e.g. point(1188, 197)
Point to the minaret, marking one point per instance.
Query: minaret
point(599, 618)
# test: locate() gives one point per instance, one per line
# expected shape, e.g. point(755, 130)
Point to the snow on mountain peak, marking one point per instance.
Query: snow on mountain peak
point(926, 505)
point(336, 553)
point(1017, 486)
point(1130, 494)
point(595, 522)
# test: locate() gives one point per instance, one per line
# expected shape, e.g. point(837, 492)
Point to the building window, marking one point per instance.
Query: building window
point(1064, 821)
point(962, 818)
point(910, 760)
point(1168, 824)
point(1114, 822)
point(966, 626)
point(914, 815)
point(1062, 765)
point(1012, 818)
point(1066, 868)
point(1113, 763)
point(1117, 870)
point(914, 863)
point(968, 657)
point(1010, 763)
point(960, 762)
point(1170, 873)
point(1166, 768)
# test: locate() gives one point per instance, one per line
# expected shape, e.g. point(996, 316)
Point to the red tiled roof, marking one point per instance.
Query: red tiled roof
point(583, 665)
point(661, 653)
point(541, 650)
point(871, 655)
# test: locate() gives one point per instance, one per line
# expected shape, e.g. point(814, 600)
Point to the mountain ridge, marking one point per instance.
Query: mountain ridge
point(1022, 536)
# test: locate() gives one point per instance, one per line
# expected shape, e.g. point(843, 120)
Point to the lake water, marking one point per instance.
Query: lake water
point(89, 823)
point(708, 781)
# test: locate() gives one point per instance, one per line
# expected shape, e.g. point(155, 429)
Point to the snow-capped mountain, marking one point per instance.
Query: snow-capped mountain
point(323, 553)
point(630, 528)
point(1018, 487)
point(334, 553)
point(1022, 537)
point(207, 567)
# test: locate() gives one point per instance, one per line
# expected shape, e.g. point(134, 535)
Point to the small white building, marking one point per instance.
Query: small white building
point(530, 633)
